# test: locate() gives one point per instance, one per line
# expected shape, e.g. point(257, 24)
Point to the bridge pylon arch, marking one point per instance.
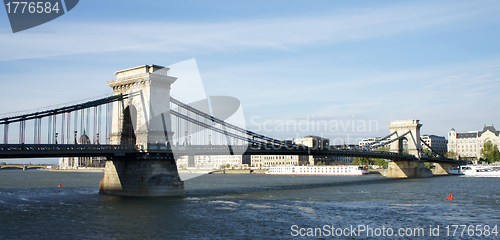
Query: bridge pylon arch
point(413, 138)
point(148, 98)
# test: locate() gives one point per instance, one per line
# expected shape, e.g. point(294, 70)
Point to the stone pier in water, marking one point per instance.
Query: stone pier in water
point(132, 177)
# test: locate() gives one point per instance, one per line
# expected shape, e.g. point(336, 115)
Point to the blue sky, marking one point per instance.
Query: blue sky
point(343, 61)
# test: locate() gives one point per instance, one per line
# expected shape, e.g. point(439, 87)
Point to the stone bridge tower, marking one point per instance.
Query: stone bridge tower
point(406, 168)
point(142, 119)
point(413, 138)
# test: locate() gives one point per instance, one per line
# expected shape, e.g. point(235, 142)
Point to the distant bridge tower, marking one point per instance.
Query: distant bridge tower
point(412, 138)
point(406, 168)
point(142, 119)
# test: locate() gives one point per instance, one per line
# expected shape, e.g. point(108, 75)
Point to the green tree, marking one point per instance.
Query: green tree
point(361, 161)
point(380, 162)
point(3, 163)
point(338, 163)
point(384, 149)
point(451, 154)
point(427, 165)
point(406, 150)
point(490, 152)
point(428, 152)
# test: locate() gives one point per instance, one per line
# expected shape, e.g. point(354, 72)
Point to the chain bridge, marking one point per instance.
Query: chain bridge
point(141, 130)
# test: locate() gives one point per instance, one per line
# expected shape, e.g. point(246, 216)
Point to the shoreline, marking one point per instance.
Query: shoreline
point(75, 170)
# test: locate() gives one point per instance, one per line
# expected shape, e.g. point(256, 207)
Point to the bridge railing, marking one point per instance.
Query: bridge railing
point(64, 147)
point(64, 125)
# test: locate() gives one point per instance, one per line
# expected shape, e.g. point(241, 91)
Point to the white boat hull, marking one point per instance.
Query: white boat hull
point(455, 171)
point(481, 170)
point(318, 170)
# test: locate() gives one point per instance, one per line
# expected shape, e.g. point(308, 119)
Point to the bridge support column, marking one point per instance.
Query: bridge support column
point(141, 177)
point(442, 168)
point(406, 169)
point(412, 139)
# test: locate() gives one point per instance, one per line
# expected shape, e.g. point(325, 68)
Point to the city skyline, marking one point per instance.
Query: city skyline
point(357, 62)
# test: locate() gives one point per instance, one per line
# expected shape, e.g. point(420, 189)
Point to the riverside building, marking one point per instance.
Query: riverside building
point(265, 161)
point(369, 141)
point(323, 143)
point(468, 145)
point(437, 143)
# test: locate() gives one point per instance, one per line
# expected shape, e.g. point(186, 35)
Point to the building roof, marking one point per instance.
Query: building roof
point(312, 136)
point(467, 135)
point(479, 133)
point(433, 136)
point(488, 128)
point(84, 139)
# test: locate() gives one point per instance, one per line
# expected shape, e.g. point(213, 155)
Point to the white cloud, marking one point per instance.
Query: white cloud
point(441, 96)
point(282, 33)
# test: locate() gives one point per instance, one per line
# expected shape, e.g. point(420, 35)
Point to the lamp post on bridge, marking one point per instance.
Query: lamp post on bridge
point(185, 138)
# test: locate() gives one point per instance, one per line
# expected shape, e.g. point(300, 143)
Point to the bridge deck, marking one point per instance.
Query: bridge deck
point(81, 150)
point(62, 150)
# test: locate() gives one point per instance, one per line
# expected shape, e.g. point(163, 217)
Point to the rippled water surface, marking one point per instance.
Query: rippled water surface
point(242, 206)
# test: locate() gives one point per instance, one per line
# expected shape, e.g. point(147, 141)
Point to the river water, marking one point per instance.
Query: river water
point(250, 207)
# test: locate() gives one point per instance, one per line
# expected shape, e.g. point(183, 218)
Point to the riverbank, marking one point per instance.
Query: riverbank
point(375, 171)
point(243, 171)
point(225, 171)
point(76, 170)
point(198, 171)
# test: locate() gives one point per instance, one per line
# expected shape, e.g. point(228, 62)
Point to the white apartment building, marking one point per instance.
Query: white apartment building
point(369, 141)
point(210, 161)
point(469, 145)
point(437, 143)
point(313, 142)
point(261, 161)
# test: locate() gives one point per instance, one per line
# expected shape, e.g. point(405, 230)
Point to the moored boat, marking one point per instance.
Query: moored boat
point(481, 170)
point(318, 170)
point(455, 171)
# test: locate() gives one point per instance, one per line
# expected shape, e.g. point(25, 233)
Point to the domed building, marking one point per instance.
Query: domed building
point(77, 162)
point(84, 139)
